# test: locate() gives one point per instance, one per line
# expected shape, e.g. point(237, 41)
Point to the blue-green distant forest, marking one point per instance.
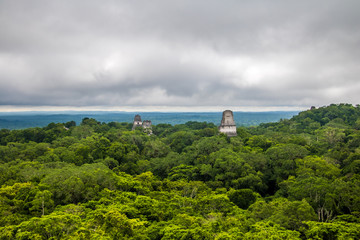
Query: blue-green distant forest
point(21, 120)
point(294, 179)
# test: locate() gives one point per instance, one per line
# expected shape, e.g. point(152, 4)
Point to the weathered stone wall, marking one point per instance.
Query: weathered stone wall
point(228, 130)
point(137, 122)
point(228, 125)
point(146, 124)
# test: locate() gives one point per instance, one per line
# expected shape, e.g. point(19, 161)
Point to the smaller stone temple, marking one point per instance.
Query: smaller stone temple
point(147, 127)
point(228, 125)
point(146, 124)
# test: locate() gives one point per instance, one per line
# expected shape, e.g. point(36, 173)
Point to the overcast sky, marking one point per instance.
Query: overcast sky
point(184, 55)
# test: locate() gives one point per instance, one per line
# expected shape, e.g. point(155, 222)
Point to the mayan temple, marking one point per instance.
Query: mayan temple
point(228, 125)
point(146, 124)
point(137, 122)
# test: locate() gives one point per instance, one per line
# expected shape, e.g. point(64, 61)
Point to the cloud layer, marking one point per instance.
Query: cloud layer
point(179, 53)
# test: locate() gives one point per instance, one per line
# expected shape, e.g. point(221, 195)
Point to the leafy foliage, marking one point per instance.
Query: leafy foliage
point(294, 179)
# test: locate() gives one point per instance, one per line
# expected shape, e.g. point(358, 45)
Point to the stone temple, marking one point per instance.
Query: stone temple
point(146, 124)
point(228, 125)
point(137, 122)
point(147, 127)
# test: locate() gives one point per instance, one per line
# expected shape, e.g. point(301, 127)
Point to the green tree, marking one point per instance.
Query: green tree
point(282, 160)
point(242, 198)
point(269, 230)
point(155, 149)
point(42, 202)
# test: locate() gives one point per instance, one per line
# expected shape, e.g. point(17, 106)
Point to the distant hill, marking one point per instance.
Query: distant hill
point(342, 116)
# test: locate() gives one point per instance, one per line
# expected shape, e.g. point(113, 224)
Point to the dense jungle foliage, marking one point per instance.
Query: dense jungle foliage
point(294, 179)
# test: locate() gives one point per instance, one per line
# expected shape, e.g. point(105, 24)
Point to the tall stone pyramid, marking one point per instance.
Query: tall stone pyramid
point(228, 125)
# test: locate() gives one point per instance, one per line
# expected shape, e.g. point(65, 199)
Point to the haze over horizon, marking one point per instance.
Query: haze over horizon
point(178, 55)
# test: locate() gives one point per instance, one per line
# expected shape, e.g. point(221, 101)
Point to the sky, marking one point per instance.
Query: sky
point(202, 55)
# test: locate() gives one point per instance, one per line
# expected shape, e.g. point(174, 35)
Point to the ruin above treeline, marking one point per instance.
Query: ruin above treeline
point(146, 124)
point(227, 125)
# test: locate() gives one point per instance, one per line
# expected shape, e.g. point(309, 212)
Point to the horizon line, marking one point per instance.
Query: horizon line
point(163, 109)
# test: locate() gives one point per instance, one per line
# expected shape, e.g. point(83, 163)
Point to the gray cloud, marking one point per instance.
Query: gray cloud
point(179, 53)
